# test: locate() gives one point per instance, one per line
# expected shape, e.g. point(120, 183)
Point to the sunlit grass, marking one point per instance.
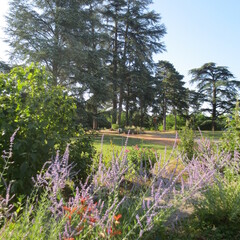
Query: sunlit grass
point(216, 135)
point(114, 144)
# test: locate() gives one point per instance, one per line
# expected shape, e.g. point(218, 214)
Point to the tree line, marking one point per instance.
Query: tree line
point(102, 52)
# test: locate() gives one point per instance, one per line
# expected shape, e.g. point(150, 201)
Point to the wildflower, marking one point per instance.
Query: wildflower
point(79, 229)
point(83, 200)
point(117, 217)
point(117, 232)
point(70, 210)
point(92, 220)
point(114, 233)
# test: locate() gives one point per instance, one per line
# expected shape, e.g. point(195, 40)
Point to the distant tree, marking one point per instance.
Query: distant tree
point(194, 102)
point(170, 91)
point(4, 67)
point(218, 88)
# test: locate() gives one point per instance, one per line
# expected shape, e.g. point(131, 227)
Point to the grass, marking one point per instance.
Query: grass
point(117, 142)
point(216, 135)
point(113, 145)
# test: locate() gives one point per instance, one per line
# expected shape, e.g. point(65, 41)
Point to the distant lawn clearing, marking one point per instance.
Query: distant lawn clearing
point(114, 144)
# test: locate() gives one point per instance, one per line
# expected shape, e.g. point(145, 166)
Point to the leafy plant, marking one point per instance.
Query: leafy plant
point(115, 126)
point(187, 143)
point(142, 159)
point(219, 207)
point(46, 117)
point(231, 137)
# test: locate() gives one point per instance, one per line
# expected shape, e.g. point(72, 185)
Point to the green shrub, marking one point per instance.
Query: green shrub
point(44, 226)
point(47, 120)
point(170, 122)
point(81, 155)
point(230, 140)
point(115, 126)
point(187, 142)
point(220, 206)
point(141, 158)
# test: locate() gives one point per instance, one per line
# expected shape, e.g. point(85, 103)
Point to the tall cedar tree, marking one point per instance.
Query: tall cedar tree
point(136, 34)
point(218, 88)
point(53, 32)
point(170, 91)
point(67, 37)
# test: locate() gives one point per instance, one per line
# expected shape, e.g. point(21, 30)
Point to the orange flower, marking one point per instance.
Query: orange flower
point(83, 200)
point(93, 220)
point(67, 209)
point(117, 217)
point(114, 233)
point(80, 228)
point(117, 232)
point(70, 210)
point(68, 239)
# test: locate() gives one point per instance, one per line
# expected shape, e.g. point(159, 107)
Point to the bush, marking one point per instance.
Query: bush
point(170, 122)
point(47, 120)
point(81, 155)
point(141, 158)
point(187, 142)
point(220, 206)
point(115, 126)
point(133, 130)
point(230, 140)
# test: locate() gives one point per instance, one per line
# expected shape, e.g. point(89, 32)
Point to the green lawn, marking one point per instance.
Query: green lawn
point(216, 135)
point(116, 143)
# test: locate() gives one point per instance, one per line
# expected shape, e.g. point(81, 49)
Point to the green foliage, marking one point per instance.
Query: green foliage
point(220, 206)
point(215, 81)
point(187, 142)
point(170, 122)
point(81, 155)
point(170, 91)
point(46, 116)
point(141, 158)
point(44, 226)
point(115, 126)
point(205, 123)
point(231, 137)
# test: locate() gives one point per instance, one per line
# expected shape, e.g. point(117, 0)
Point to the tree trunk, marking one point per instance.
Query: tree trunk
point(175, 118)
point(120, 104)
point(114, 100)
point(123, 80)
point(141, 117)
point(95, 123)
point(214, 106)
point(127, 105)
point(164, 116)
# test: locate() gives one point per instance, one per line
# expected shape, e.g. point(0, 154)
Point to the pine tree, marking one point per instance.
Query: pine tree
point(170, 91)
point(218, 88)
point(136, 34)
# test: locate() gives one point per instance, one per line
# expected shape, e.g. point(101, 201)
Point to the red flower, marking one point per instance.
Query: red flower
point(83, 200)
point(70, 210)
point(117, 217)
point(117, 232)
point(91, 219)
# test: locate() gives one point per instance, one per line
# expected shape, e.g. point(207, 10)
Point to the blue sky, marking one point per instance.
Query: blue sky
point(198, 31)
point(201, 31)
